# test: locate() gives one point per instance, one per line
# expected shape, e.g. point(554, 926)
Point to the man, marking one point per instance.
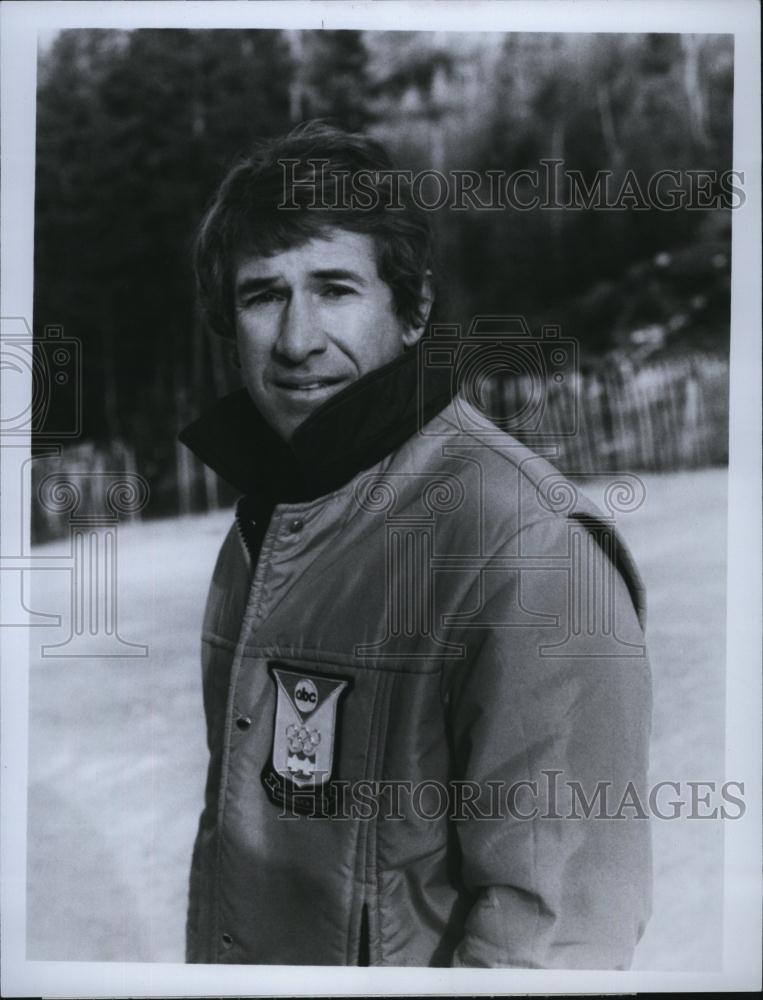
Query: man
point(416, 698)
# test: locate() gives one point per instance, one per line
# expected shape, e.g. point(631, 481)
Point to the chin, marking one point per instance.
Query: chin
point(287, 429)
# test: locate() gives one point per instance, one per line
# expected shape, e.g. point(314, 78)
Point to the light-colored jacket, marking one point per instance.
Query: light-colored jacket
point(428, 716)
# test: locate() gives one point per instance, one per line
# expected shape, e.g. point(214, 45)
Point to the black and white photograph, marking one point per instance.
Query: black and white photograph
point(381, 498)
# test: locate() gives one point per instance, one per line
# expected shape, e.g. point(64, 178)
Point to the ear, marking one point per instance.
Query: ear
point(412, 334)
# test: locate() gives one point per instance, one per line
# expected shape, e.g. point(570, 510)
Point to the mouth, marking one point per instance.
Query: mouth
point(309, 386)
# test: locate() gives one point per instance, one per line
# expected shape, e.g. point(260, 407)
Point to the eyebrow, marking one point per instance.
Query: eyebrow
point(249, 285)
point(339, 274)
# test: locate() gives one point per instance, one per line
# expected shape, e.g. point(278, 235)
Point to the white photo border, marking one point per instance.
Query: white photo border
point(21, 24)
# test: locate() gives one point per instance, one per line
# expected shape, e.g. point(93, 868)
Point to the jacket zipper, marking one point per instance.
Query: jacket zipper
point(253, 604)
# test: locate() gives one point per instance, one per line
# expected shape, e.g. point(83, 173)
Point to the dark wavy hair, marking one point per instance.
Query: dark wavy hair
point(245, 216)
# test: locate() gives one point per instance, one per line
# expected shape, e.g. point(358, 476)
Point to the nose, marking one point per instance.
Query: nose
point(300, 333)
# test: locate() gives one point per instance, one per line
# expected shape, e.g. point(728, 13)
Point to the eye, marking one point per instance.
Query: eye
point(336, 291)
point(263, 298)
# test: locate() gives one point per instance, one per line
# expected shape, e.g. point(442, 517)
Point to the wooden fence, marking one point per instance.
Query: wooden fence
point(670, 414)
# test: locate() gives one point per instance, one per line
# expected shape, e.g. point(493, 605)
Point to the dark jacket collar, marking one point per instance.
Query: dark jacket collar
point(350, 432)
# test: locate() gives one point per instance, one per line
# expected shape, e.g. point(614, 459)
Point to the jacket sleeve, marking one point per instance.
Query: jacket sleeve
point(550, 717)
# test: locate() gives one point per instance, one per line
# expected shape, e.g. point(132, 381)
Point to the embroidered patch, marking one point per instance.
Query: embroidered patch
point(304, 739)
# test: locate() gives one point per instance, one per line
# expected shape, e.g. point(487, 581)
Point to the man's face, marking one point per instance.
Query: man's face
point(311, 320)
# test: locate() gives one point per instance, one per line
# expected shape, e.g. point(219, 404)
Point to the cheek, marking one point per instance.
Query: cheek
point(249, 342)
point(383, 336)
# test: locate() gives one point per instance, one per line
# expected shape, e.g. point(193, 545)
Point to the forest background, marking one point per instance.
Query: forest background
point(135, 129)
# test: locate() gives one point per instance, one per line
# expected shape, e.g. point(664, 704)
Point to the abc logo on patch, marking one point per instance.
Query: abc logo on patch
point(305, 695)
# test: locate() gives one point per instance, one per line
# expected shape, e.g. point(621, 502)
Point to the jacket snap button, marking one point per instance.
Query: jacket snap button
point(227, 940)
point(296, 525)
point(244, 722)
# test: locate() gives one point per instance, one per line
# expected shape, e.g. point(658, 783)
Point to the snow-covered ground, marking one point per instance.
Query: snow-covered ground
point(117, 753)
